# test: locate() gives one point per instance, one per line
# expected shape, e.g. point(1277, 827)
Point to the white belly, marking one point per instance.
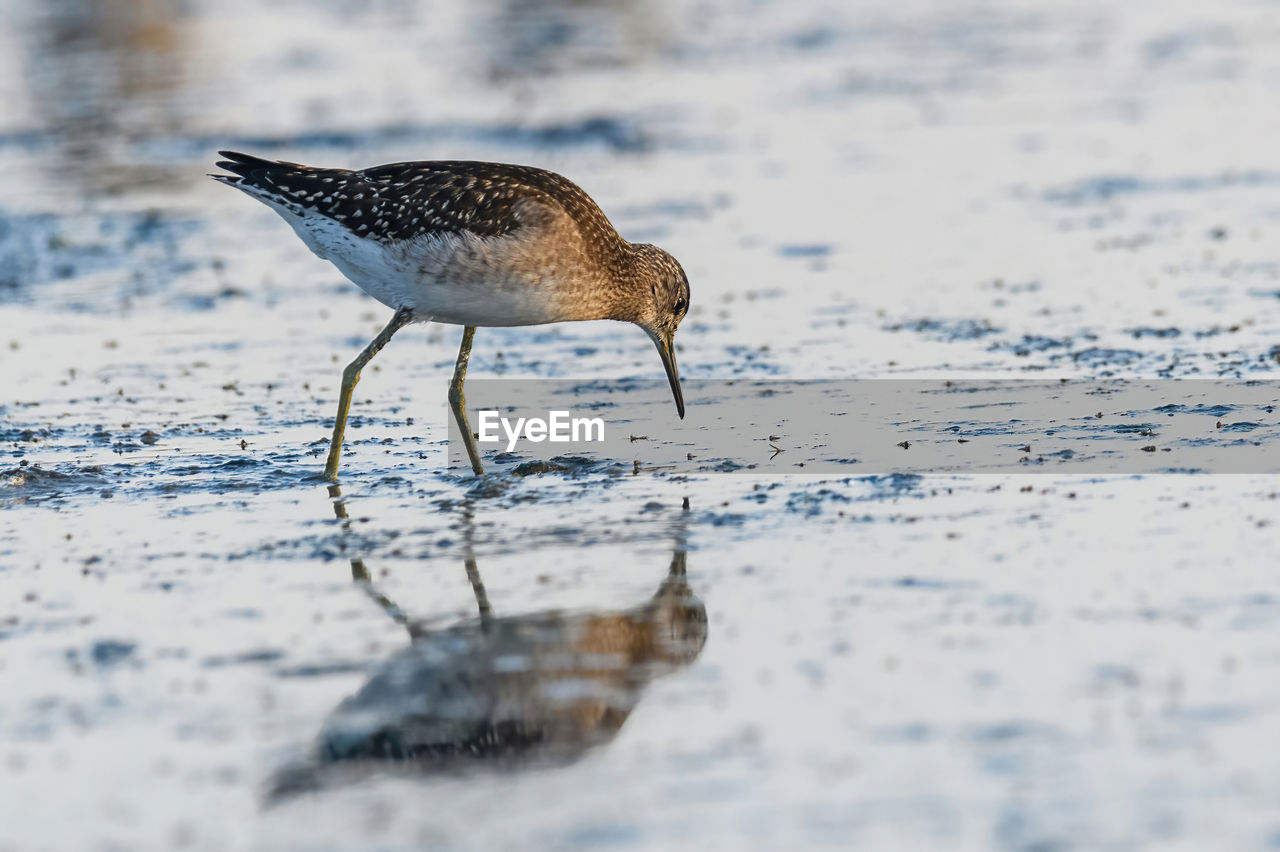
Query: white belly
point(450, 277)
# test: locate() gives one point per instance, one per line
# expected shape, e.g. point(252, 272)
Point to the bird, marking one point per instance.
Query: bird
point(469, 243)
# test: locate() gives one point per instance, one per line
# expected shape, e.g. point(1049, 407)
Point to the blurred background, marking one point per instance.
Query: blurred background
point(899, 161)
point(917, 189)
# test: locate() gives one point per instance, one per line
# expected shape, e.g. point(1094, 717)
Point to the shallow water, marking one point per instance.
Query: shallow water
point(873, 656)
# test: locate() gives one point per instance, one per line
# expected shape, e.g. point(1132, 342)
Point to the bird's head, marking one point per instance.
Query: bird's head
point(664, 304)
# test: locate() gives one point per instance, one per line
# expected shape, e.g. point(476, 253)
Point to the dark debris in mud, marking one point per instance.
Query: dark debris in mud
point(30, 483)
point(535, 468)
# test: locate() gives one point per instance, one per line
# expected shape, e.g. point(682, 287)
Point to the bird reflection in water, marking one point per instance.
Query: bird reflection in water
point(539, 689)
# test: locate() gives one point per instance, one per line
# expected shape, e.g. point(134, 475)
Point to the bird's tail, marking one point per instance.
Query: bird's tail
point(280, 184)
point(255, 169)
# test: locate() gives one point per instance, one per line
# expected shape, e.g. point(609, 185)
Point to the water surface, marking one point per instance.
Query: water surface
point(203, 647)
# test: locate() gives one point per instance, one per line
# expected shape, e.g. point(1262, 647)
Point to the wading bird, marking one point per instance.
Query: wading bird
point(472, 244)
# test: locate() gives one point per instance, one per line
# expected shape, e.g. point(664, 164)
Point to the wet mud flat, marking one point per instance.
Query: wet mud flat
point(203, 646)
point(906, 426)
point(219, 661)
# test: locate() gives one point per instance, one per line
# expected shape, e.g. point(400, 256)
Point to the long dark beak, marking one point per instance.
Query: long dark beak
point(667, 349)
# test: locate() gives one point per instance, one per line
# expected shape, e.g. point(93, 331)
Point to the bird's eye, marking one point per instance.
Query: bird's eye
point(681, 304)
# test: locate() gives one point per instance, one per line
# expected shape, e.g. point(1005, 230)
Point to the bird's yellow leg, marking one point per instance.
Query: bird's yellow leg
point(458, 402)
point(350, 376)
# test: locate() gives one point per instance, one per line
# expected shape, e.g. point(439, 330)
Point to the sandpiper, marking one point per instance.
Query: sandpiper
point(472, 244)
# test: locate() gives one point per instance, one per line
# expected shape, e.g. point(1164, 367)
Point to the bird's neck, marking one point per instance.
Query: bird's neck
point(617, 289)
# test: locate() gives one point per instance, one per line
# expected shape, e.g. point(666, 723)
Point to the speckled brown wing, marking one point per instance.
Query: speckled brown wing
point(401, 201)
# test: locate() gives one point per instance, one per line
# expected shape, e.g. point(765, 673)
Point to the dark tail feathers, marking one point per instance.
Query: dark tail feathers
point(245, 165)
